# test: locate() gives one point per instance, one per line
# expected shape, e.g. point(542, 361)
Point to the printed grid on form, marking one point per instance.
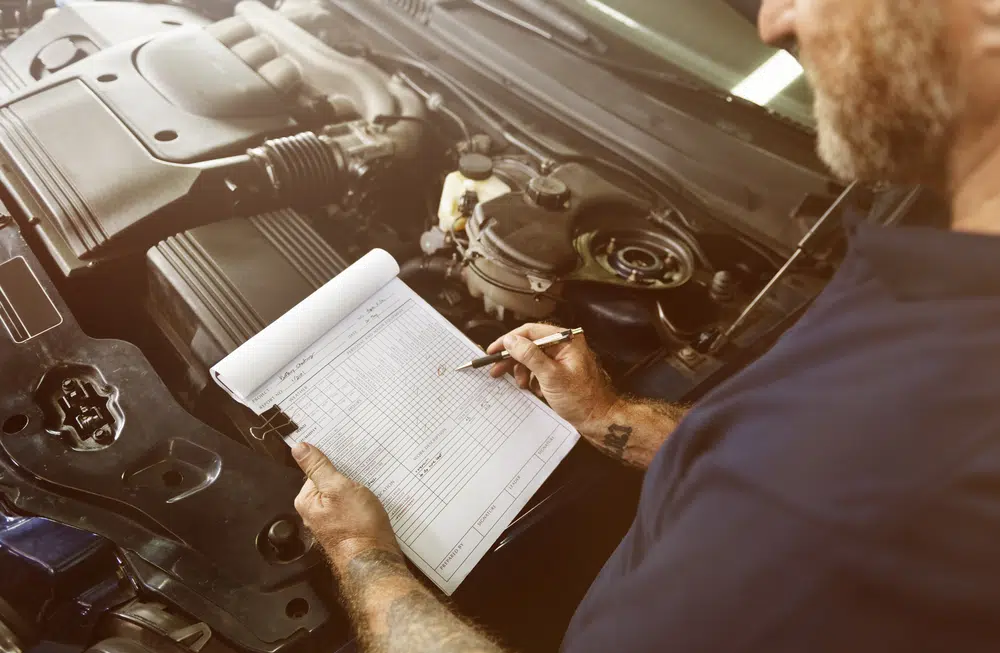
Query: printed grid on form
point(413, 433)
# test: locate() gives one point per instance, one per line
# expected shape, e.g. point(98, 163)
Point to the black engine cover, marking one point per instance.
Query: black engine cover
point(104, 130)
point(91, 437)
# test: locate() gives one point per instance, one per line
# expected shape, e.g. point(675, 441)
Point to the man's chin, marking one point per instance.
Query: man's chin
point(872, 160)
point(854, 154)
point(838, 156)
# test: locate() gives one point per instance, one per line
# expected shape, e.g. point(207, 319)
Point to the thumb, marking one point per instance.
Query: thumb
point(317, 467)
point(528, 354)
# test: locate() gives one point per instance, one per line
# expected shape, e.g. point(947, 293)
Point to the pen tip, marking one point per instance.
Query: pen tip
point(463, 367)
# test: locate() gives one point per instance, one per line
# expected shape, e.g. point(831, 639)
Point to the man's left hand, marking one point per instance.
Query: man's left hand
point(345, 517)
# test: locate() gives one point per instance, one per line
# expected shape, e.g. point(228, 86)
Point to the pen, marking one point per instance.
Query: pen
point(547, 341)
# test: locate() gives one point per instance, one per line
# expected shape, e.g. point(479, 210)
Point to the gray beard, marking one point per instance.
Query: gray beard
point(887, 110)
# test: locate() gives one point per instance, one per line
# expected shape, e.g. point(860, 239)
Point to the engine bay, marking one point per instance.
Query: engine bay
point(176, 180)
point(261, 160)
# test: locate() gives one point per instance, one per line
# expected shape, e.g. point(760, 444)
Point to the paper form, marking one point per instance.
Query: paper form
point(453, 456)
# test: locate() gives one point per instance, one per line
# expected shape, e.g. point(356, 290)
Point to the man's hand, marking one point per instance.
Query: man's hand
point(346, 518)
point(568, 375)
point(390, 609)
point(569, 378)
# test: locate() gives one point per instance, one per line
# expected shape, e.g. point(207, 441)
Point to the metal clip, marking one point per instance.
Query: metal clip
point(275, 421)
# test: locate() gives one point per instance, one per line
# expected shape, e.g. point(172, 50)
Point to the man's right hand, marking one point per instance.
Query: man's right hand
point(568, 375)
point(569, 378)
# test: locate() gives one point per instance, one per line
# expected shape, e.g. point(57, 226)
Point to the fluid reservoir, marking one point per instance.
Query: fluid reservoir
point(473, 183)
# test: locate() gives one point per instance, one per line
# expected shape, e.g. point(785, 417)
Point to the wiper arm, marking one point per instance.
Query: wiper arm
point(550, 15)
point(557, 19)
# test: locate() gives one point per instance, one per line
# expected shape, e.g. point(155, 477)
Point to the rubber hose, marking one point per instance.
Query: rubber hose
point(436, 265)
point(405, 134)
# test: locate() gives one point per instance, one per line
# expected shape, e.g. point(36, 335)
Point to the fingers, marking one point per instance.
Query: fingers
point(505, 367)
point(531, 331)
point(528, 354)
point(535, 387)
point(305, 498)
point(318, 468)
point(522, 375)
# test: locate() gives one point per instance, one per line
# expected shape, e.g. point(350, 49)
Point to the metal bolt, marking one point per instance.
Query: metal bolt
point(104, 436)
point(611, 247)
point(723, 287)
point(688, 355)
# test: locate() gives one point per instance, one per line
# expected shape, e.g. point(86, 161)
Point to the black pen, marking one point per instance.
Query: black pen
point(547, 341)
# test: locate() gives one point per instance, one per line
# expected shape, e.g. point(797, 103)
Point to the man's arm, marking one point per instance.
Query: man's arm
point(391, 610)
point(633, 430)
point(569, 377)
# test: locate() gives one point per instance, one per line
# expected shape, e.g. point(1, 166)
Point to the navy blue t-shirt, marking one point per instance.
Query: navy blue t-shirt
point(842, 493)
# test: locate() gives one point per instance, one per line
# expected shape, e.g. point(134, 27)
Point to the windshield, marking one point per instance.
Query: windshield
point(711, 41)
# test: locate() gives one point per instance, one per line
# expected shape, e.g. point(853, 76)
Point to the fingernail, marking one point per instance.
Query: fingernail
point(300, 450)
point(509, 341)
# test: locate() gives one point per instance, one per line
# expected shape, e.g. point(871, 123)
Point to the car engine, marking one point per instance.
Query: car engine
point(176, 178)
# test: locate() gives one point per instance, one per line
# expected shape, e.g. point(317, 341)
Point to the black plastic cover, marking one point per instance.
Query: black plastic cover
point(185, 96)
point(214, 287)
point(186, 505)
point(81, 30)
point(93, 152)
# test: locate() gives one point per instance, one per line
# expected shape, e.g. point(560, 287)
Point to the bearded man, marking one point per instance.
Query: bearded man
point(841, 494)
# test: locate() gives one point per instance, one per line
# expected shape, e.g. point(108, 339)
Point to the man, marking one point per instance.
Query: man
point(843, 492)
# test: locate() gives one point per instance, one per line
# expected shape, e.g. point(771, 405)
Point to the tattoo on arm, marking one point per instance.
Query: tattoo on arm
point(616, 439)
point(415, 621)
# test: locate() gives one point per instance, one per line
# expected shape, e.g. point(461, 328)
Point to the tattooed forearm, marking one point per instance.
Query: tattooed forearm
point(394, 613)
point(418, 622)
point(363, 572)
point(633, 430)
point(616, 439)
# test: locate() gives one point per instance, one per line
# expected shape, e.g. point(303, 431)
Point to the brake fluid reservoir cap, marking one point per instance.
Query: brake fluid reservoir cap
point(548, 192)
point(477, 167)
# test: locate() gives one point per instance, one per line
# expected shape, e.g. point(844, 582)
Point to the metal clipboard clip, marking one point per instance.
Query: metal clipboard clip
point(275, 421)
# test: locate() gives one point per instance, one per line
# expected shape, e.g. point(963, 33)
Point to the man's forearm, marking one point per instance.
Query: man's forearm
point(633, 430)
point(394, 613)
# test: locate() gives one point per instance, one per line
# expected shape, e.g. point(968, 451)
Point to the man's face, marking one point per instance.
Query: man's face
point(883, 73)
